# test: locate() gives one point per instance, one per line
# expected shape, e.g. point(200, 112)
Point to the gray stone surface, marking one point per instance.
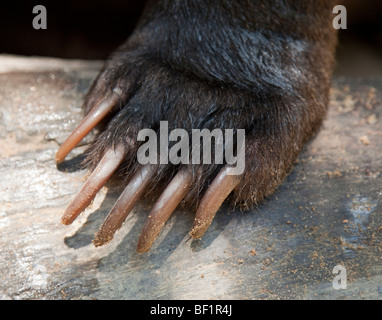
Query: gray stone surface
point(327, 213)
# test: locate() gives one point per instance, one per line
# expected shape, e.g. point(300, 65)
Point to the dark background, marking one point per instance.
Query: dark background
point(85, 29)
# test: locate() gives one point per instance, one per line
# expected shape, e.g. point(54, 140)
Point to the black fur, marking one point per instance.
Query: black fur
point(263, 66)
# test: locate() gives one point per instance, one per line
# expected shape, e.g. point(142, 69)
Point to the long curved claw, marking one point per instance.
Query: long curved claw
point(218, 191)
point(108, 164)
point(125, 203)
point(170, 198)
point(87, 124)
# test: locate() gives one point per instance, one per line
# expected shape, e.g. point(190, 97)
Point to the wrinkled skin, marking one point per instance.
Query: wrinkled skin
point(262, 66)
